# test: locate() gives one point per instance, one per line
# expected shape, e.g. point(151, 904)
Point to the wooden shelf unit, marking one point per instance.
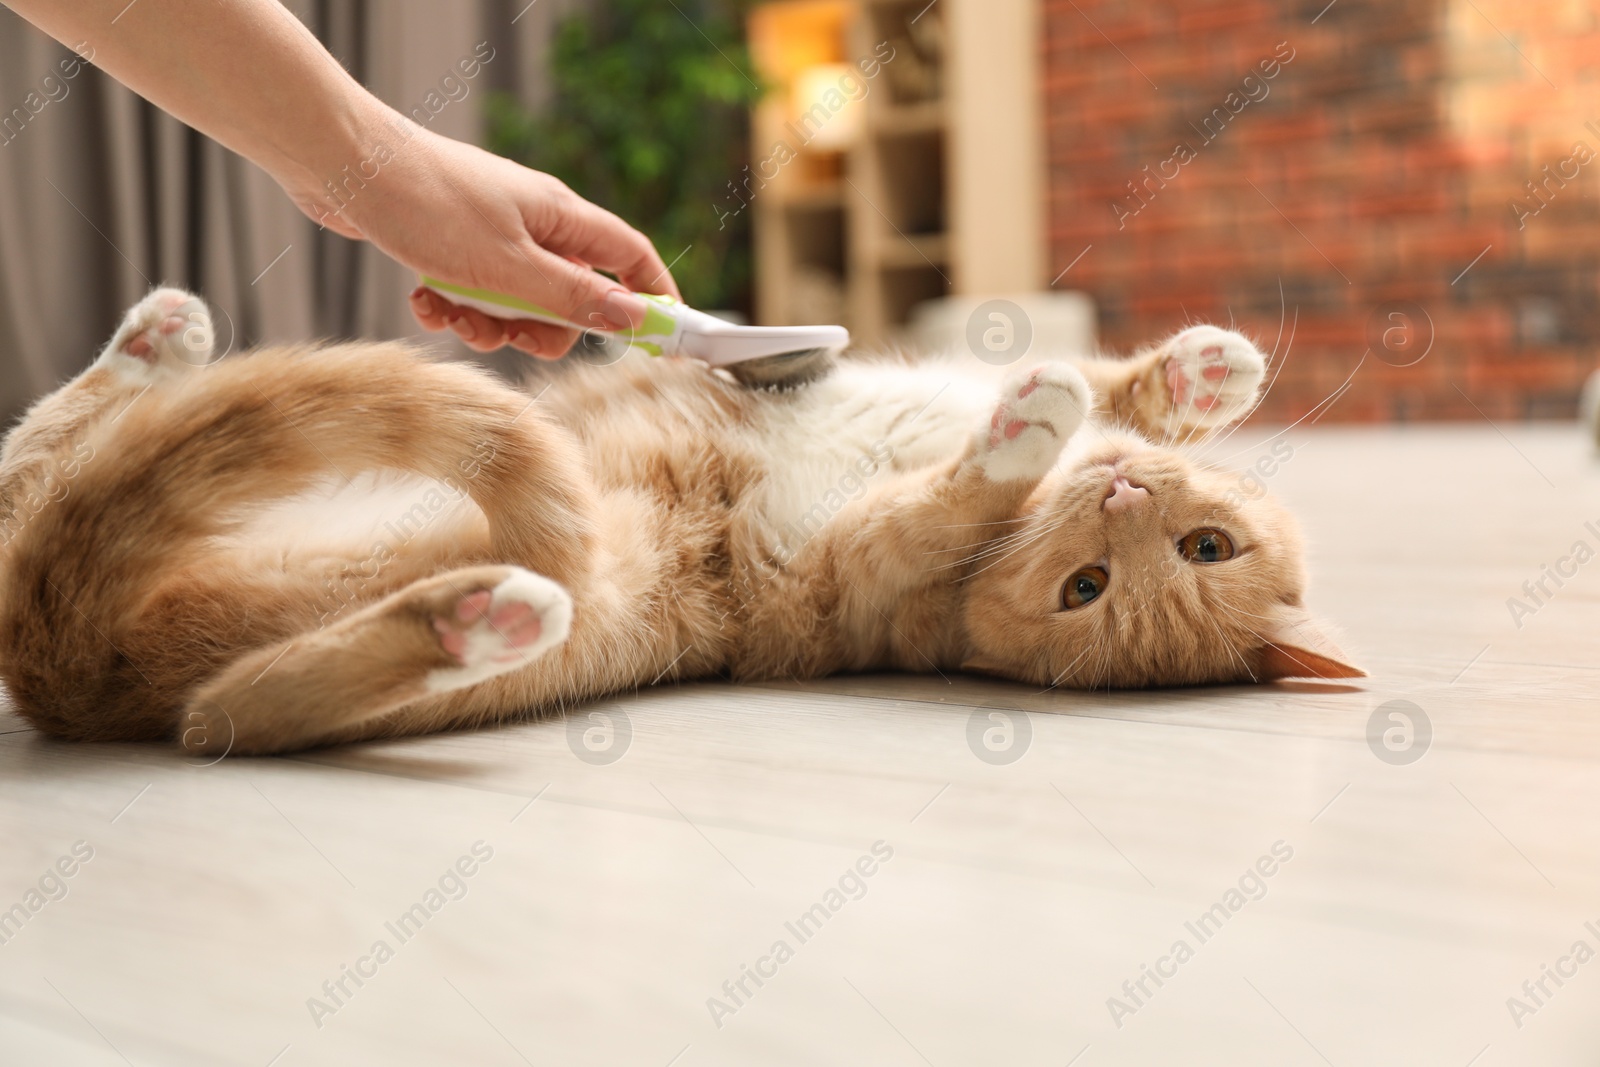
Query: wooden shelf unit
point(871, 228)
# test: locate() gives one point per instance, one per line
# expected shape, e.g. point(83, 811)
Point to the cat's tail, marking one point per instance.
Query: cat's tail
point(80, 650)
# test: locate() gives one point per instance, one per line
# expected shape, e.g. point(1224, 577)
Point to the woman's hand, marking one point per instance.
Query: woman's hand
point(466, 216)
point(249, 74)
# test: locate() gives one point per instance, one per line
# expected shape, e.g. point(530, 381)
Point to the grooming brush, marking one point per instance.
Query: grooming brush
point(756, 355)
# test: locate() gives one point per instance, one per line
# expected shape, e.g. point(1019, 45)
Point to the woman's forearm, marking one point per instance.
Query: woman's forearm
point(296, 113)
point(250, 75)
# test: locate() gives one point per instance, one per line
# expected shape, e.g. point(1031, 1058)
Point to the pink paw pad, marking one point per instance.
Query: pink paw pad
point(139, 347)
point(1178, 382)
point(1031, 384)
point(142, 344)
point(517, 624)
point(1213, 369)
point(489, 632)
point(1002, 427)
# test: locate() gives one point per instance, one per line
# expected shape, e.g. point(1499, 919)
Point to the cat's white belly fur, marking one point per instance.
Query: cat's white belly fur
point(860, 423)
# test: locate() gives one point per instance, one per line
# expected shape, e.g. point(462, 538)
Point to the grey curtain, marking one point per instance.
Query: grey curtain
point(103, 196)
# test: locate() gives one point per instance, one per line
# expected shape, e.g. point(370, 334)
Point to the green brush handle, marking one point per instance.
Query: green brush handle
point(659, 335)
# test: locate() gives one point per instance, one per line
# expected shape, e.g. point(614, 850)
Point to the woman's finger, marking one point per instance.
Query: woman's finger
point(540, 338)
point(480, 332)
point(483, 333)
point(429, 308)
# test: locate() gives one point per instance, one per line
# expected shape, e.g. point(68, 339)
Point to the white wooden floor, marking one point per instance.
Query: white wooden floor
point(1019, 897)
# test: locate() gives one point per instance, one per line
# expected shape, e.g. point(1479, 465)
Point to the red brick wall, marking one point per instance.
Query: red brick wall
point(1367, 170)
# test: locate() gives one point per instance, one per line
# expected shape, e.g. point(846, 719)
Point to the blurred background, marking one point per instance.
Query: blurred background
point(1407, 188)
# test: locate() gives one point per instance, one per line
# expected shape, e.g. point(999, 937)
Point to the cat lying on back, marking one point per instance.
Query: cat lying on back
point(197, 552)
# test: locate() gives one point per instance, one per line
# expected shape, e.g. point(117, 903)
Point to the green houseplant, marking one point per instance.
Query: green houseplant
point(649, 117)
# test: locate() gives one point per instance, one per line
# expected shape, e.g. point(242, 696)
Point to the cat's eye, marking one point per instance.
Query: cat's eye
point(1205, 545)
point(1083, 587)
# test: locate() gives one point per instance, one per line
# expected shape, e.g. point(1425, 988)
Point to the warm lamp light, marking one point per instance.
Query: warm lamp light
point(828, 106)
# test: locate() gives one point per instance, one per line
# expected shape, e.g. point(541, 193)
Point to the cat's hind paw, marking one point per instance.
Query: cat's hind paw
point(1037, 412)
point(1206, 377)
point(168, 332)
point(501, 619)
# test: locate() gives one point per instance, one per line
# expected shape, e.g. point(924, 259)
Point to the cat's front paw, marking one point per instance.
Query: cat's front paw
point(167, 332)
point(1203, 378)
point(1037, 412)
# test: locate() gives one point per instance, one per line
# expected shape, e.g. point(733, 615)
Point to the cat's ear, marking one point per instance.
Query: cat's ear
point(1295, 646)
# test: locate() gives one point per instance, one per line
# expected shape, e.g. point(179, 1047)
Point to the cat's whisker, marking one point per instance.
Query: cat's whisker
point(1228, 645)
point(1002, 552)
point(988, 541)
point(1329, 406)
point(1264, 641)
point(1224, 602)
point(1261, 396)
point(1288, 346)
point(1327, 401)
point(1214, 443)
point(1042, 533)
point(1283, 314)
point(954, 548)
point(984, 547)
point(1104, 667)
point(1236, 610)
point(1168, 429)
point(965, 525)
point(1198, 430)
point(1068, 667)
point(1026, 536)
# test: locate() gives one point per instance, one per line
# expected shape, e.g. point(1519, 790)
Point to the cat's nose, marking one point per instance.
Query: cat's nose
point(1124, 494)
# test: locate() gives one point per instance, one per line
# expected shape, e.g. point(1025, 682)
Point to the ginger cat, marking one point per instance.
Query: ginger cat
point(199, 552)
